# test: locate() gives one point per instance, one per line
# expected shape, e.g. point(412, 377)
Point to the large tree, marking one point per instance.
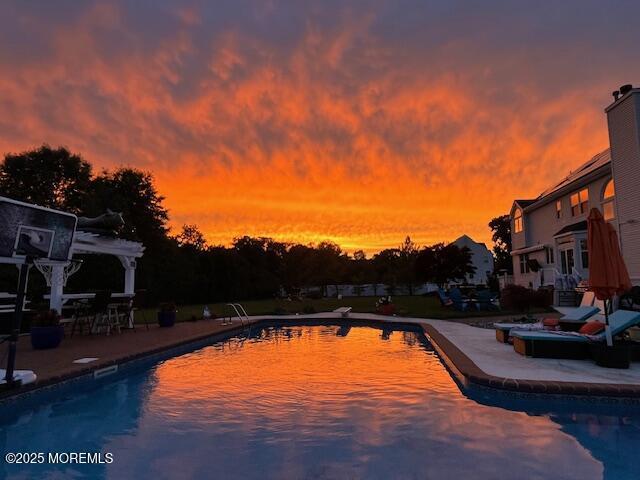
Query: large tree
point(408, 252)
point(441, 264)
point(133, 193)
point(54, 178)
point(501, 235)
point(190, 237)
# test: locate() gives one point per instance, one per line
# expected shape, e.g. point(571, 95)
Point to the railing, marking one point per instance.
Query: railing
point(240, 312)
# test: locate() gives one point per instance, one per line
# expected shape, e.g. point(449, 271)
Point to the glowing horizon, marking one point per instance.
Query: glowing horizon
point(357, 122)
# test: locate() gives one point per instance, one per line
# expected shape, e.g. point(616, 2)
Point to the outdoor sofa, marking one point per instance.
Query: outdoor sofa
point(575, 318)
point(545, 344)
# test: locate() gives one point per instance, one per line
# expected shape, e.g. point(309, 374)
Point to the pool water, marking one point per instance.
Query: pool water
point(317, 402)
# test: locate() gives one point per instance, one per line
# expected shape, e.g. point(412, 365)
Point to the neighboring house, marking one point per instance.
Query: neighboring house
point(481, 258)
point(549, 233)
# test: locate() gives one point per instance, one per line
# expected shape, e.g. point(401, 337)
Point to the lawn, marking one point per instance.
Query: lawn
point(410, 306)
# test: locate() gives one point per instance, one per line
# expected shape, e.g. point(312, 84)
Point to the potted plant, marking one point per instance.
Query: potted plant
point(46, 331)
point(167, 314)
point(385, 306)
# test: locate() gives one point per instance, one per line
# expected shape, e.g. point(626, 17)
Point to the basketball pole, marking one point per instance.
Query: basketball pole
point(17, 320)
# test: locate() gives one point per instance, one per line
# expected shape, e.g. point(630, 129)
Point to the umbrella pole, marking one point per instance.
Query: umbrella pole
point(607, 330)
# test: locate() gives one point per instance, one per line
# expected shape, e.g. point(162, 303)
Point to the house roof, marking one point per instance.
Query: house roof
point(466, 238)
point(525, 203)
point(599, 160)
point(574, 227)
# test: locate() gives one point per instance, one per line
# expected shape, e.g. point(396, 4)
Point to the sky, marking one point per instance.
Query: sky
point(359, 122)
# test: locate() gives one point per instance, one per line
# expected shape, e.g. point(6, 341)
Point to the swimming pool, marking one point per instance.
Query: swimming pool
point(318, 401)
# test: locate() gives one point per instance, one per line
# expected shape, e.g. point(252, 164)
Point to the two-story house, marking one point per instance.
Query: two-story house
point(481, 258)
point(549, 233)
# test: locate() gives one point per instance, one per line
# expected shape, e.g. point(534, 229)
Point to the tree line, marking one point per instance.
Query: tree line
point(184, 267)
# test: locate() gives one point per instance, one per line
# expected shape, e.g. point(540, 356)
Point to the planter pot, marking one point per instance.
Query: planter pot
point(617, 356)
point(166, 319)
point(43, 338)
point(387, 309)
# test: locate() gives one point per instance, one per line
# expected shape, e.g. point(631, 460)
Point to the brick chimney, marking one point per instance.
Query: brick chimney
point(623, 118)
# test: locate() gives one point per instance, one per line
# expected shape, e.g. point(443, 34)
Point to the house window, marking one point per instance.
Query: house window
point(517, 221)
point(558, 208)
point(550, 255)
point(579, 202)
point(584, 254)
point(566, 261)
point(524, 263)
point(608, 196)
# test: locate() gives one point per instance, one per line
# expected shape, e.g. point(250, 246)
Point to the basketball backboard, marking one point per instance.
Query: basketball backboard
point(38, 232)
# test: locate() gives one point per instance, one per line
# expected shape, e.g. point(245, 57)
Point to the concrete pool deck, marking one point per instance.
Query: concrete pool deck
point(472, 353)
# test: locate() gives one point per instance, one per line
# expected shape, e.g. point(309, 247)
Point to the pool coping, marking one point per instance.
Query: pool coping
point(468, 373)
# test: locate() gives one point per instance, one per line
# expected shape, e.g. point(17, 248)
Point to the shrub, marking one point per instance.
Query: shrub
point(45, 318)
point(516, 297)
point(308, 309)
point(314, 294)
point(168, 307)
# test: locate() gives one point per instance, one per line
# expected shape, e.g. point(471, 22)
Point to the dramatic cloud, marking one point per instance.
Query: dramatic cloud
point(359, 122)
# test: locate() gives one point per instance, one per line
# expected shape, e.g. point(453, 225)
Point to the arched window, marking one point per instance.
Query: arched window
point(517, 221)
point(608, 196)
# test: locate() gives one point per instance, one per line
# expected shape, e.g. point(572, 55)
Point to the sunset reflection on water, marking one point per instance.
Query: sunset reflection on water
point(345, 400)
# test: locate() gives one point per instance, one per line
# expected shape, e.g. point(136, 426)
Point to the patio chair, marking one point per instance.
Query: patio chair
point(459, 301)
point(136, 304)
point(445, 301)
point(571, 345)
point(82, 316)
point(100, 311)
point(576, 318)
point(485, 300)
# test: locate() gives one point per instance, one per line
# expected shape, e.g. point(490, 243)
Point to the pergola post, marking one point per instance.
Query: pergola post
point(129, 264)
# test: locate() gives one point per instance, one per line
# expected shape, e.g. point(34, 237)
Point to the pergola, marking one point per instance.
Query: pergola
point(57, 273)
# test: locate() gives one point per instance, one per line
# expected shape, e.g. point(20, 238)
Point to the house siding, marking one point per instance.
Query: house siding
point(624, 137)
point(541, 225)
point(481, 258)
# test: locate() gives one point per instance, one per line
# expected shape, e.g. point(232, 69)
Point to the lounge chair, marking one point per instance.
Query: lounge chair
point(459, 302)
point(575, 318)
point(445, 301)
point(574, 345)
point(588, 300)
point(485, 300)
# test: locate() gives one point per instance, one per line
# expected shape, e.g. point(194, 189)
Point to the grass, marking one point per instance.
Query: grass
point(409, 306)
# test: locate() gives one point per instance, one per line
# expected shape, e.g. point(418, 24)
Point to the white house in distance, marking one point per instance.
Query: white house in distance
point(481, 258)
point(549, 233)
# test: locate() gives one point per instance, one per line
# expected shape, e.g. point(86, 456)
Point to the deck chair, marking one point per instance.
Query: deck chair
point(577, 316)
point(459, 302)
point(544, 344)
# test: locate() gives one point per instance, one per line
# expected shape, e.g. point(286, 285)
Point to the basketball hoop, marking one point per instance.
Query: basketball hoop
point(46, 268)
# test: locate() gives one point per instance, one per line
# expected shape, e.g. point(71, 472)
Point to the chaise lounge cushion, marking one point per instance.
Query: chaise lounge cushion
point(619, 321)
point(592, 328)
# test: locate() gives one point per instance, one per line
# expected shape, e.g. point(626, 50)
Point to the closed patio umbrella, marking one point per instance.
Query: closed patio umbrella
point(608, 275)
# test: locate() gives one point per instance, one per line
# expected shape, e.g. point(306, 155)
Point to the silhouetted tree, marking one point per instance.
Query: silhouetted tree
point(386, 267)
point(191, 237)
point(441, 264)
point(501, 236)
point(49, 177)
point(407, 254)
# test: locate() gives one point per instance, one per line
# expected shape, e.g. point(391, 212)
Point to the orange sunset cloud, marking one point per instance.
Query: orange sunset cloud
point(357, 122)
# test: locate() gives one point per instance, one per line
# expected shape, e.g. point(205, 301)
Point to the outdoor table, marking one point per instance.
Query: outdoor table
point(124, 298)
